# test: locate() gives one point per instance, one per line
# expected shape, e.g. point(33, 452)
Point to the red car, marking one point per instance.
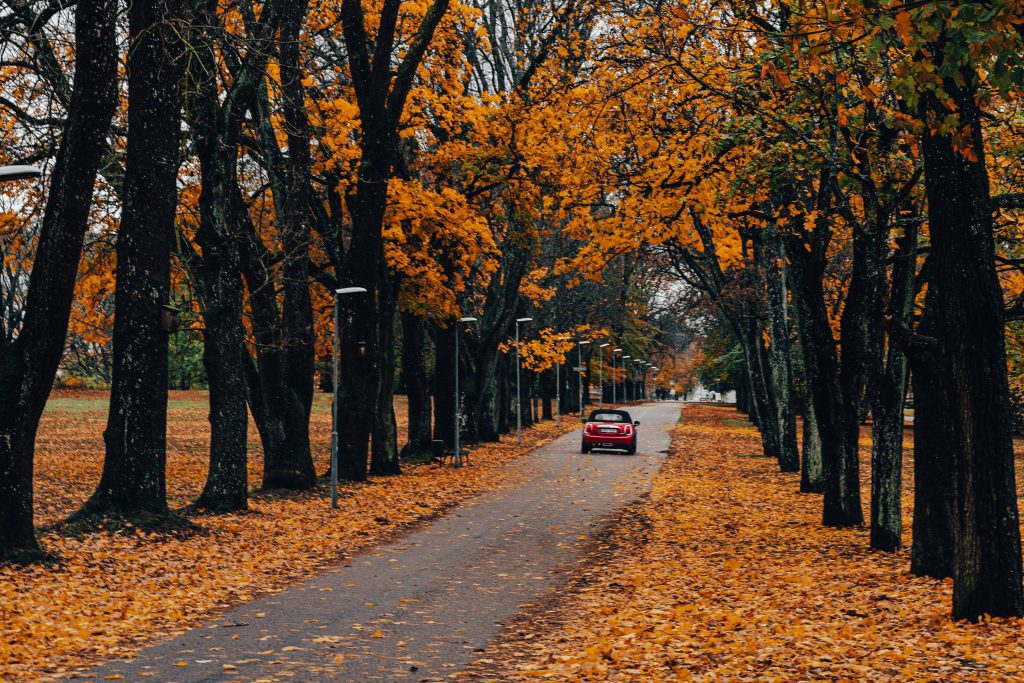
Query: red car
point(610, 429)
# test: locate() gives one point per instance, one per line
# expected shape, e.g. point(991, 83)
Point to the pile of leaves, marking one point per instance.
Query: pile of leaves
point(725, 573)
point(115, 589)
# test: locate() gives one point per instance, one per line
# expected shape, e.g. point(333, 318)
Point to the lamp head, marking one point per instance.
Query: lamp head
point(350, 290)
point(523, 320)
point(20, 172)
point(603, 345)
point(467, 320)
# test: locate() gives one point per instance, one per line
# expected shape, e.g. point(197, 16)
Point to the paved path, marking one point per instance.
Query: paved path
point(416, 609)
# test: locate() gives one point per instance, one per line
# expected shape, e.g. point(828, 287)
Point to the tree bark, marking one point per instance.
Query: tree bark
point(292, 465)
point(887, 408)
point(812, 477)
point(970, 334)
point(381, 90)
point(779, 352)
point(216, 123)
point(443, 385)
point(134, 470)
point(417, 387)
point(931, 552)
point(29, 364)
point(384, 453)
point(842, 506)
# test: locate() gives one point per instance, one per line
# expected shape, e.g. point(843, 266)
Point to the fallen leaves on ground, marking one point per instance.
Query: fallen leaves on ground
point(726, 574)
point(113, 591)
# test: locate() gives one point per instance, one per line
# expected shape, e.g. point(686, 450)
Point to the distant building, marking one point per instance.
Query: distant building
point(701, 394)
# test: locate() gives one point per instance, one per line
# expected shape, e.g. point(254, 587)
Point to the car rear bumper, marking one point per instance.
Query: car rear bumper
point(608, 440)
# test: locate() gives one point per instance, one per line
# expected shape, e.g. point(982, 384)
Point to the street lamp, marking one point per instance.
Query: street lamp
point(600, 374)
point(338, 293)
point(626, 390)
point(458, 403)
point(21, 172)
point(614, 376)
point(558, 388)
point(637, 391)
point(519, 401)
point(579, 371)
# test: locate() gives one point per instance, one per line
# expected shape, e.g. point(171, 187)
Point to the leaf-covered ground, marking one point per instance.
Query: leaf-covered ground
point(114, 590)
point(725, 574)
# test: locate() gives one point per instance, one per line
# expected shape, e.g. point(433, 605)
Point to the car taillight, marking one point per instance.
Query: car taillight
point(628, 430)
point(588, 429)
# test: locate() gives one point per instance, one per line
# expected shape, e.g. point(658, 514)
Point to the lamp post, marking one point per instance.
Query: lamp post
point(579, 371)
point(338, 293)
point(627, 392)
point(614, 376)
point(600, 374)
point(558, 388)
point(458, 403)
point(638, 392)
point(519, 401)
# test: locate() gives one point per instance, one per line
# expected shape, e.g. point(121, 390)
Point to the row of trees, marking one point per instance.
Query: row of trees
point(239, 161)
point(839, 181)
point(836, 180)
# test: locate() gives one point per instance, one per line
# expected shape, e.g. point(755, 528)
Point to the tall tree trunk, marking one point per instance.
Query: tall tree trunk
point(29, 364)
point(842, 506)
point(384, 455)
point(504, 388)
point(969, 329)
point(812, 477)
point(931, 552)
point(887, 408)
point(779, 352)
point(547, 393)
point(748, 333)
point(381, 90)
point(292, 465)
point(417, 387)
point(860, 358)
point(216, 127)
point(443, 385)
point(134, 470)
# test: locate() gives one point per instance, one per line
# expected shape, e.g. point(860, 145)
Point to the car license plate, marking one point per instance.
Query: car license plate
point(609, 430)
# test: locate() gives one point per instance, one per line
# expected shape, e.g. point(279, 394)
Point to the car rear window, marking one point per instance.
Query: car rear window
point(608, 417)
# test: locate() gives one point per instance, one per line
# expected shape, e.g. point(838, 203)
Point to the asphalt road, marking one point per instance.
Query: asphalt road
point(417, 609)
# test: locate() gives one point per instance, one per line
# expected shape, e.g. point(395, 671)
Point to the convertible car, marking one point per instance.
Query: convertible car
point(613, 429)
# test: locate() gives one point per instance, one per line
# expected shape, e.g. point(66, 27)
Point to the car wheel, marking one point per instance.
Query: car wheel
point(632, 447)
point(584, 448)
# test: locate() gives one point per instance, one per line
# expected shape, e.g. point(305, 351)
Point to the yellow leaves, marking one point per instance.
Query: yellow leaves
point(115, 590)
point(736, 580)
point(377, 634)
